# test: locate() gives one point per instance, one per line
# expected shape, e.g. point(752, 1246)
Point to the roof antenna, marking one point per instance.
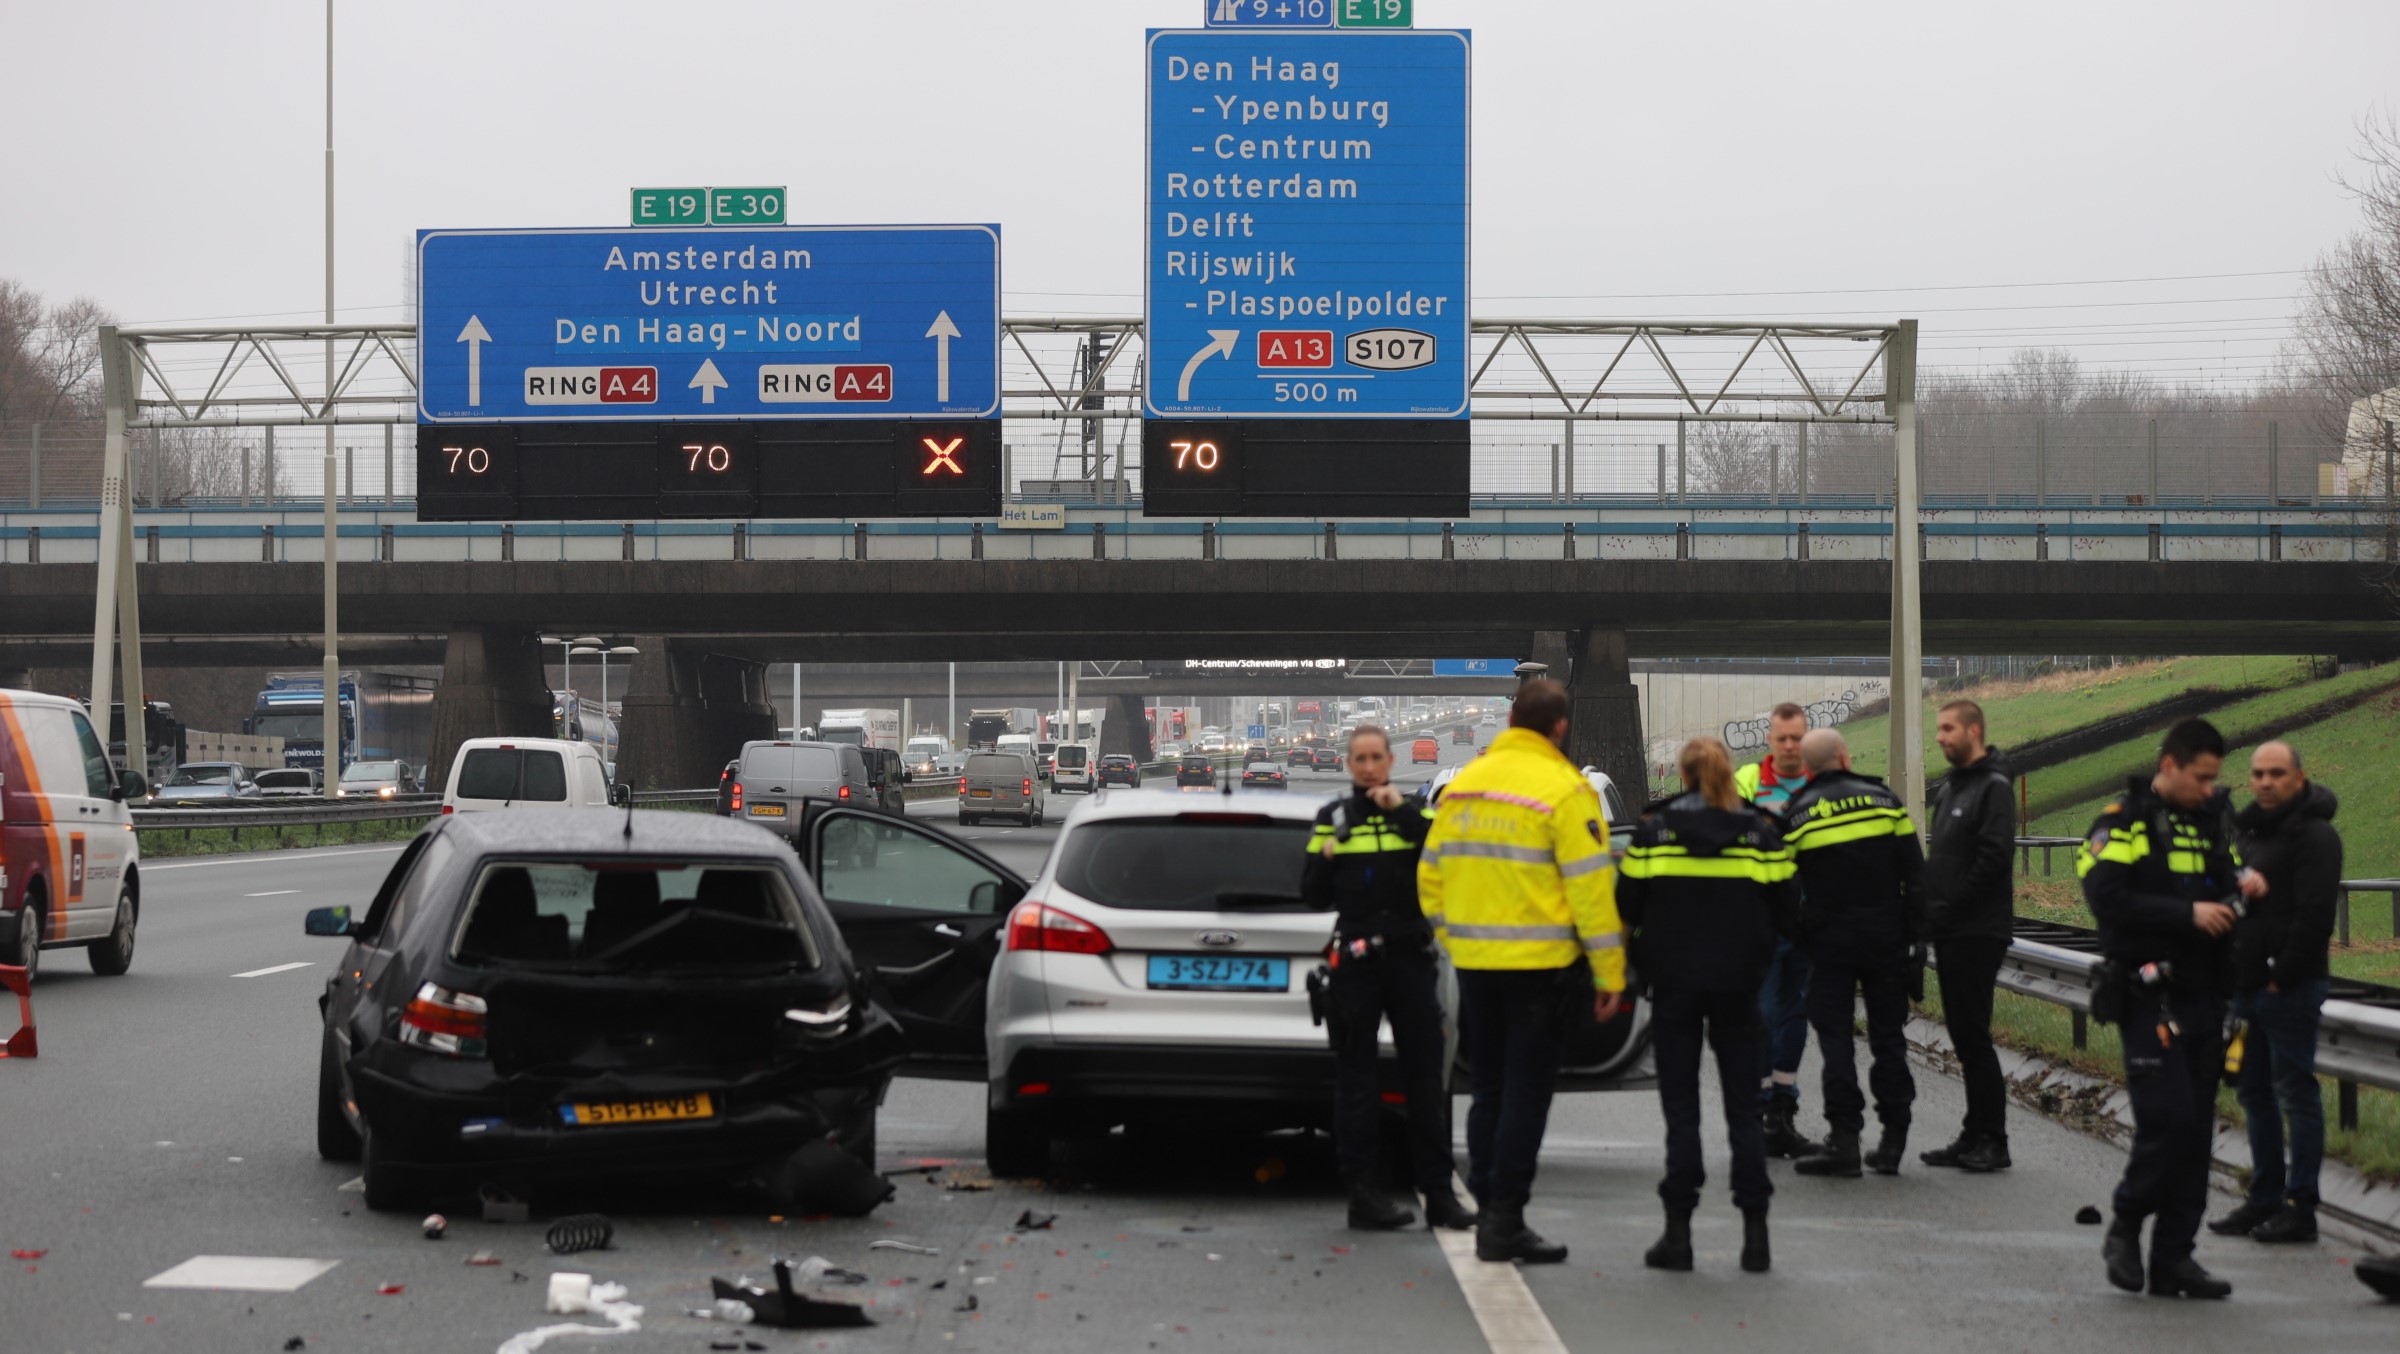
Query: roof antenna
point(628, 789)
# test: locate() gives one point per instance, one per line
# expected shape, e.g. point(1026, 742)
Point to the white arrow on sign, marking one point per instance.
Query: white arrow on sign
point(942, 332)
point(708, 381)
point(1220, 344)
point(474, 336)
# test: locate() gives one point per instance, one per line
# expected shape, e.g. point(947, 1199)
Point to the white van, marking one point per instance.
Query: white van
point(1075, 767)
point(533, 773)
point(70, 866)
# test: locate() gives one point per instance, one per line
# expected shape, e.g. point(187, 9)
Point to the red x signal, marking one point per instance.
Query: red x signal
point(939, 456)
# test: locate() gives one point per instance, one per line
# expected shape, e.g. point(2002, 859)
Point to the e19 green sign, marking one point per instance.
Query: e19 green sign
point(1374, 13)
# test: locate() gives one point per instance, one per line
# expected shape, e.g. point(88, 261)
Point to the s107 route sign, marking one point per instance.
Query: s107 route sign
point(1308, 211)
point(764, 323)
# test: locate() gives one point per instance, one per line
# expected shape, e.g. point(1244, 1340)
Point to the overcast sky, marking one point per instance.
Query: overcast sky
point(1660, 159)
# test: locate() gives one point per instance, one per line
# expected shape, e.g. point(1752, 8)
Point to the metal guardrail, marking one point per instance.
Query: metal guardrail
point(2356, 1045)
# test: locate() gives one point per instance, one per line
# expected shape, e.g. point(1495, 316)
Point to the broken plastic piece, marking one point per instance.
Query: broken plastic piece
point(2088, 1216)
point(579, 1232)
point(436, 1226)
point(296, 1342)
point(569, 1293)
point(501, 1206)
point(391, 1290)
point(483, 1258)
point(818, 1269)
point(910, 1248)
point(29, 1254)
point(787, 1309)
point(1031, 1221)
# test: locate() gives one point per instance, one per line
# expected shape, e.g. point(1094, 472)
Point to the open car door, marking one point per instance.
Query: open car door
point(924, 916)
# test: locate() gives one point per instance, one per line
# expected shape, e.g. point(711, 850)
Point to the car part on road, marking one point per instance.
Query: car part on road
point(436, 1227)
point(789, 1310)
point(579, 1232)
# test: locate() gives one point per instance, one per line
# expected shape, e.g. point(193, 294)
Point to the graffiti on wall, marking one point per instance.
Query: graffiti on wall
point(1750, 735)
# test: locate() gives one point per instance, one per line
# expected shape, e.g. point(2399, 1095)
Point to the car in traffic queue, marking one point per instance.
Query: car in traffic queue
point(70, 864)
point(200, 785)
point(1157, 968)
point(558, 995)
point(1424, 750)
point(375, 780)
point(1072, 768)
point(725, 780)
point(1326, 759)
point(1302, 757)
point(1196, 771)
point(1464, 733)
point(491, 774)
point(1001, 784)
point(1262, 774)
point(1045, 757)
point(290, 782)
point(776, 783)
point(1119, 768)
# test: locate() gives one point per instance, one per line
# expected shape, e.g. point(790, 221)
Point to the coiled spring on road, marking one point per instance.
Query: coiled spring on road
point(579, 1232)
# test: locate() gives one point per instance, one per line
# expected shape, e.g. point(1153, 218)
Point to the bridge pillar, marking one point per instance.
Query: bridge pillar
point(492, 686)
point(687, 713)
point(1605, 721)
point(1127, 729)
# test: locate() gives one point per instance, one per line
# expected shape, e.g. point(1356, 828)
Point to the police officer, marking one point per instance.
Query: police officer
point(1517, 882)
point(1362, 866)
point(1862, 875)
point(1708, 893)
point(2164, 879)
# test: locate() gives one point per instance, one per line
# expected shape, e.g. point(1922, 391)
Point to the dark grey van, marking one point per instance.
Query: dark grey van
point(773, 780)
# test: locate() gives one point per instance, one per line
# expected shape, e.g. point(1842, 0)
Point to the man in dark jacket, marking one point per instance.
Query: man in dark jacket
point(1362, 865)
point(2279, 983)
point(1969, 871)
point(1862, 885)
point(2160, 872)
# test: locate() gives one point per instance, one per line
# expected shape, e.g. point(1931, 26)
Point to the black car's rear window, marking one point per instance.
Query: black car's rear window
point(1198, 863)
point(633, 917)
point(537, 775)
point(1198, 763)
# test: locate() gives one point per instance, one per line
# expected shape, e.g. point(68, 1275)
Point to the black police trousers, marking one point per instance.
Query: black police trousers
point(1397, 984)
point(1512, 1026)
point(2173, 1086)
point(1737, 1034)
point(1833, 992)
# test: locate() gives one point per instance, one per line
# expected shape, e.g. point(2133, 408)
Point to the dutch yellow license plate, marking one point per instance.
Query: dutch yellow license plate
point(639, 1111)
point(766, 810)
point(979, 794)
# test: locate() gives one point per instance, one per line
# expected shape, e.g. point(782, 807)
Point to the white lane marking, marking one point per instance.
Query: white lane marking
point(270, 893)
point(278, 968)
point(247, 1273)
point(275, 858)
point(1504, 1307)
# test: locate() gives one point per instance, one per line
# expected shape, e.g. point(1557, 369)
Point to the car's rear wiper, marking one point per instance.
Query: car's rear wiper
point(1254, 900)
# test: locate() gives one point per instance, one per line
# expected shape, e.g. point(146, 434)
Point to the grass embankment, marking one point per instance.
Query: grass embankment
point(2021, 712)
point(159, 843)
point(2357, 754)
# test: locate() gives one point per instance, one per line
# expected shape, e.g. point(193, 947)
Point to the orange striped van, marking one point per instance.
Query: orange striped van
point(69, 865)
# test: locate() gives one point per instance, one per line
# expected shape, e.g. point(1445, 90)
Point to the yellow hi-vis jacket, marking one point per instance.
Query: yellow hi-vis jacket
point(1516, 872)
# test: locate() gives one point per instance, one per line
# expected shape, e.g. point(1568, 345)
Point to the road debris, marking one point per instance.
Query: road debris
point(579, 1232)
point(817, 1269)
point(2379, 1274)
point(501, 1206)
point(905, 1247)
point(1032, 1221)
point(572, 1294)
point(483, 1258)
point(2088, 1216)
point(788, 1309)
point(436, 1226)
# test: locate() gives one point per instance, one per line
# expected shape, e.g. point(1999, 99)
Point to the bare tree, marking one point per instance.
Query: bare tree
point(2348, 342)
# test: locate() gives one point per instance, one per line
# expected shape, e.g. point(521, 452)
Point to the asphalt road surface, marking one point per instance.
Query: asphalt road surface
point(169, 1117)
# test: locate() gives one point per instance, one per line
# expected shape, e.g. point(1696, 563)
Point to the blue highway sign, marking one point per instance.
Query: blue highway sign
point(1474, 667)
point(1308, 224)
point(1269, 13)
point(787, 322)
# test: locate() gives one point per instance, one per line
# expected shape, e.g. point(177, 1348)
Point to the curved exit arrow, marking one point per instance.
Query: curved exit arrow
point(1220, 344)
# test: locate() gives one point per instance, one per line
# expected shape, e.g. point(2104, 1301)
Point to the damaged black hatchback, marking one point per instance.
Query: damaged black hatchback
point(555, 995)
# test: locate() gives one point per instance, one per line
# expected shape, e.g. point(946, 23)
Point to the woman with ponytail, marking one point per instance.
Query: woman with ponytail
point(1706, 890)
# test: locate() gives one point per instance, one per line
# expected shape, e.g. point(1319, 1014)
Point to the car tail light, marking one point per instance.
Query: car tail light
point(962, 785)
point(843, 793)
point(1035, 926)
point(445, 1021)
point(1029, 785)
point(448, 809)
point(736, 805)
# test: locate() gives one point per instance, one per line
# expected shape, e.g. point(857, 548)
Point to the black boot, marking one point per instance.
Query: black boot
point(1674, 1248)
point(1755, 1259)
point(1838, 1157)
point(1371, 1210)
point(1501, 1235)
point(2241, 1220)
point(2185, 1279)
point(1783, 1131)
point(2122, 1249)
point(2291, 1223)
point(1889, 1149)
point(1948, 1155)
point(1985, 1156)
point(1443, 1209)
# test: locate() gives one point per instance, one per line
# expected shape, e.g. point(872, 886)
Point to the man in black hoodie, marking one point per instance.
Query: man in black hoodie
point(2279, 983)
point(1969, 862)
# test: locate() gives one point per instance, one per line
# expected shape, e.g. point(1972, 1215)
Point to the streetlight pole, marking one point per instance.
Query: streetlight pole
point(332, 740)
